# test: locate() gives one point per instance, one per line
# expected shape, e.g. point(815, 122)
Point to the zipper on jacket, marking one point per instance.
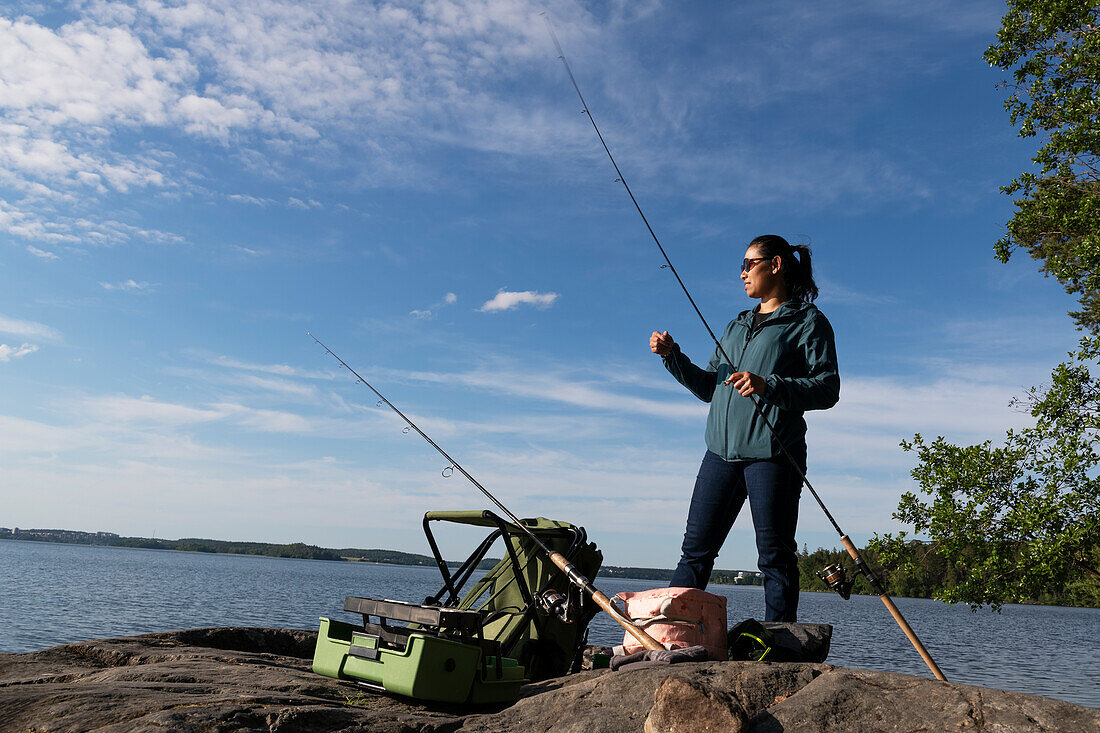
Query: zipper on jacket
point(752, 332)
point(729, 393)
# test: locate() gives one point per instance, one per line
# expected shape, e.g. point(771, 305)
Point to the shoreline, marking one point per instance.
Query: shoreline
point(238, 678)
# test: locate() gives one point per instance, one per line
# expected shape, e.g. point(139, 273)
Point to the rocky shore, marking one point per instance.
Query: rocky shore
point(240, 679)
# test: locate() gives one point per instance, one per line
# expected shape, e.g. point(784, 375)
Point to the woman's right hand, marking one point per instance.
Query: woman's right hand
point(661, 344)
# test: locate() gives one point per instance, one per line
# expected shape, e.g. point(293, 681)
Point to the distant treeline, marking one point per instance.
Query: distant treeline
point(933, 573)
point(721, 577)
point(312, 552)
point(297, 550)
point(194, 544)
point(613, 571)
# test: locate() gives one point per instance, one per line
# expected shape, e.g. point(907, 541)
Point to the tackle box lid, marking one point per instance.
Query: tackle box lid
point(444, 618)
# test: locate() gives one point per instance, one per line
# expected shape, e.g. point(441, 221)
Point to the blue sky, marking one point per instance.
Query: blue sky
point(187, 188)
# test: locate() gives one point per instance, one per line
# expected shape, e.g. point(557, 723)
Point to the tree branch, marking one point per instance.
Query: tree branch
point(1089, 568)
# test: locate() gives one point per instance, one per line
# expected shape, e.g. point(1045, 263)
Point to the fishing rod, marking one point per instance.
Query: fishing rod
point(557, 558)
point(835, 575)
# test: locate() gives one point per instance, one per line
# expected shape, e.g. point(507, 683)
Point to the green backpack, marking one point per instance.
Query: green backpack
point(523, 596)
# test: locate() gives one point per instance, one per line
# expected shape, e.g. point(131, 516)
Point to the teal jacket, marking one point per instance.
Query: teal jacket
point(794, 351)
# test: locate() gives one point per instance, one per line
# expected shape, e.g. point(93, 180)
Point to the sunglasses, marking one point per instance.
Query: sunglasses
point(750, 262)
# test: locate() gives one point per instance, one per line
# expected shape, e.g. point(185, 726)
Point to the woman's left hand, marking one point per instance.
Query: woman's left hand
point(746, 383)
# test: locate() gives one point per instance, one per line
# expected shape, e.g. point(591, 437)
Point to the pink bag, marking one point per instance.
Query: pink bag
point(677, 617)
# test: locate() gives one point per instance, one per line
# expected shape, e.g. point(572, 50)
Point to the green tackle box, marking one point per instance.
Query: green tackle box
point(433, 658)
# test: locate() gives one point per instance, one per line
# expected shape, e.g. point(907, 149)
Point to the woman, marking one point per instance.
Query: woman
point(783, 363)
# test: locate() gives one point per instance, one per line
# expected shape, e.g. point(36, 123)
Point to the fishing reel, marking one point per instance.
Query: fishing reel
point(555, 603)
point(836, 577)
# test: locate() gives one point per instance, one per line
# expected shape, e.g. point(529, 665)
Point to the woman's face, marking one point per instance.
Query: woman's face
point(761, 277)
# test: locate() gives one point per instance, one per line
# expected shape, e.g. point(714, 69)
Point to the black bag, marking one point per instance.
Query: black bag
point(778, 641)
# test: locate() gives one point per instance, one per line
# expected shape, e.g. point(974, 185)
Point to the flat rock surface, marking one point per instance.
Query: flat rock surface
point(240, 679)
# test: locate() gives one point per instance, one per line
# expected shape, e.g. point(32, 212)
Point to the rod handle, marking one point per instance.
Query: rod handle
point(605, 603)
point(893, 609)
point(896, 613)
point(850, 547)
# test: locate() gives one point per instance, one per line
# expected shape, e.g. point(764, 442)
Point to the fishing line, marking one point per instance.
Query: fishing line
point(861, 566)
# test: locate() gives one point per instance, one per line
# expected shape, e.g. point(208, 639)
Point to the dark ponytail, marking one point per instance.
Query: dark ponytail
point(797, 270)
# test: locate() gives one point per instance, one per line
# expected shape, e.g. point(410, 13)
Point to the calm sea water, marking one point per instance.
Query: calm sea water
point(54, 594)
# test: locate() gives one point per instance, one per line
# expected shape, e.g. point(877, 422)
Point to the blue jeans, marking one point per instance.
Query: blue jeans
point(772, 488)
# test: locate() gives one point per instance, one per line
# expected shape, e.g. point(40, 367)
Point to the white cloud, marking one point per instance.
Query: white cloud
point(66, 93)
point(21, 437)
point(27, 329)
point(854, 454)
point(383, 85)
point(284, 370)
point(44, 226)
point(818, 175)
point(281, 386)
point(427, 313)
point(41, 253)
point(306, 205)
point(566, 387)
point(29, 225)
point(85, 73)
point(207, 117)
point(129, 286)
point(274, 73)
point(123, 409)
point(276, 387)
point(903, 406)
point(112, 232)
point(267, 421)
point(833, 291)
point(247, 199)
point(7, 353)
point(38, 156)
point(507, 300)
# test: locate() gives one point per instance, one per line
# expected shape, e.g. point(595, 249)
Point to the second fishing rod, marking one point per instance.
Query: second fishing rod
point(834, 575)
point(571, 573)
